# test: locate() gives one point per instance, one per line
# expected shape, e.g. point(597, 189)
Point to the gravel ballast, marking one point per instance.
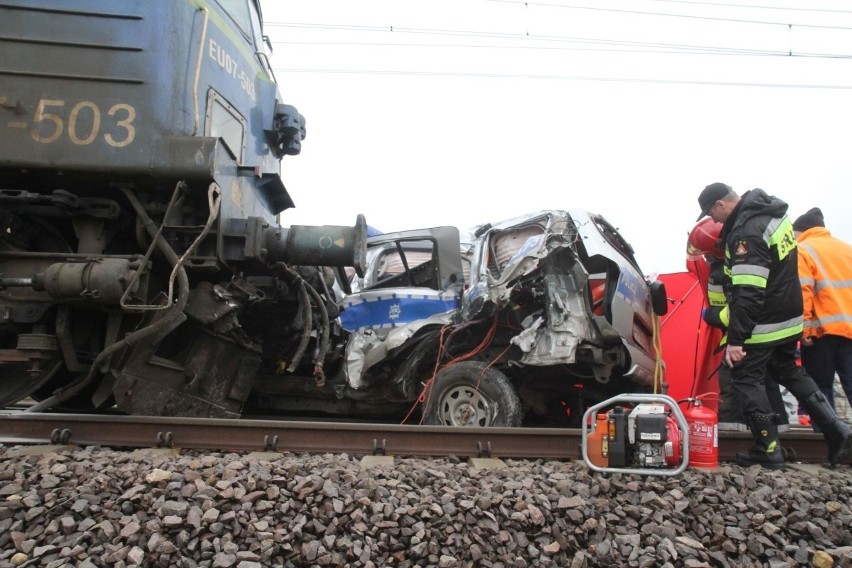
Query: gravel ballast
point(99, 507)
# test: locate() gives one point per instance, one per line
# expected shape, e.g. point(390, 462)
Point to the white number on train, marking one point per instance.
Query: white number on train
point(84, 123)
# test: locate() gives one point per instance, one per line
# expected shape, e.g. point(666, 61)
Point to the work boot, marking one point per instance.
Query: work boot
point(837, 433)
point(767, 448)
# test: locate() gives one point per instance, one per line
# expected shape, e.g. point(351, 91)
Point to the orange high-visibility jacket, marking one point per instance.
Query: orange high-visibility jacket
point(825, 272)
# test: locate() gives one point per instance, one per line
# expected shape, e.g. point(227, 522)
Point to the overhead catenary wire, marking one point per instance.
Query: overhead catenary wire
point(566, 78)
point(786, 24)
point(524, 40)
point(668, 14)
point(620, 47)
point(752, 6)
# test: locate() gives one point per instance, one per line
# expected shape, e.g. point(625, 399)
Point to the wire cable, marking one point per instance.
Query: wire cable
point(669, 15)
point(566, 78)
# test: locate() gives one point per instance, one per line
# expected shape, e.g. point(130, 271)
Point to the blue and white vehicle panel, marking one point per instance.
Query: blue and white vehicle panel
point(390, 308)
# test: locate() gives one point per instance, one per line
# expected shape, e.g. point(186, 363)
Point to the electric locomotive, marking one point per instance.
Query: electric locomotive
point(142, 263)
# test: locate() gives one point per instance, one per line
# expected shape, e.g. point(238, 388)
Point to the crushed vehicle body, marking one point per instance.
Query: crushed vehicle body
point(584, 299)
point(385, 338)
point(527, 321)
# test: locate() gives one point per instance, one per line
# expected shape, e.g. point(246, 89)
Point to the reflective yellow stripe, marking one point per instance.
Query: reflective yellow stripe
point(750, 275)
point(753, 269)
point(716, 299)
point(773, 336)
point(757, 338)
point(749, 280)
point(778, 325)
point(725, 316)
point(779, 233)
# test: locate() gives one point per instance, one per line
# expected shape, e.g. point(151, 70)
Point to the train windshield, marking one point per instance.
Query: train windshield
point(238, 10)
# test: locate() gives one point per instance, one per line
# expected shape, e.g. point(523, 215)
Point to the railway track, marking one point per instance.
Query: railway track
point(336, 437)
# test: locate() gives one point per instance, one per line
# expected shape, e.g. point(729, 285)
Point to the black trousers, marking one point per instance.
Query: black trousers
point(828, 355)
point(778, 362)
point(731, 407)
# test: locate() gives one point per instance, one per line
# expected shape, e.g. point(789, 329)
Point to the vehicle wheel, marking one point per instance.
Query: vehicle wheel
point(469, 394)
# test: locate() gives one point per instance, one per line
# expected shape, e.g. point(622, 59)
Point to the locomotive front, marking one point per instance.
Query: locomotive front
point(141, 260)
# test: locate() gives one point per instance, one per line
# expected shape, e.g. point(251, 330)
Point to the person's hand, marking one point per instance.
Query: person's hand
point(733, 354)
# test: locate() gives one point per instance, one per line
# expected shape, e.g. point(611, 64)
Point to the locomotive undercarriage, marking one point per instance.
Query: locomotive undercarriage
point(82, 328)
point(45, 340)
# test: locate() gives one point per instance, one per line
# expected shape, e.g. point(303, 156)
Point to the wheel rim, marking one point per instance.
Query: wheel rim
point(464, 406)
point(23, 378)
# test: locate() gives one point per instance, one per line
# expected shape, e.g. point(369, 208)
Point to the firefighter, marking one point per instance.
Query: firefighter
point(765, 304)
point(704, 245)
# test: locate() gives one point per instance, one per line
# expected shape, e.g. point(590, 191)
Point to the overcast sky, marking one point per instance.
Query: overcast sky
point(458, 112)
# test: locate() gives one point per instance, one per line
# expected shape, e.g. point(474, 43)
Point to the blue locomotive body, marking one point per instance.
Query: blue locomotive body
point(145, 92)
point(141, 260)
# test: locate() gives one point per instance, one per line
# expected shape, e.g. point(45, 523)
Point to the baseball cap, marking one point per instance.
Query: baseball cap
point(710, 195)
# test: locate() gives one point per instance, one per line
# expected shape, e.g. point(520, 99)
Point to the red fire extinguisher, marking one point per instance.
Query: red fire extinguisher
point(703, 435)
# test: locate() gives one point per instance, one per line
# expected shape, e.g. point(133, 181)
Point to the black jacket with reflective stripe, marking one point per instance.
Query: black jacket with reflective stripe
point(761, 272)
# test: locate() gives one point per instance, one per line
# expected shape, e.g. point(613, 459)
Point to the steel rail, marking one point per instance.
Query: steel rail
point(336, 437)
point(286, 436)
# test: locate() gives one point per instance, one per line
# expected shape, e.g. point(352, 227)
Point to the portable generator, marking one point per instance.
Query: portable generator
point(636, 433)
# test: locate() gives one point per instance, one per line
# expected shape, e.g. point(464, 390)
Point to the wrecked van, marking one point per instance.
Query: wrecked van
point(524, 322)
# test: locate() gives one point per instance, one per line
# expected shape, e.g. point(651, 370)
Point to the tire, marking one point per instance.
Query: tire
point(469, 394)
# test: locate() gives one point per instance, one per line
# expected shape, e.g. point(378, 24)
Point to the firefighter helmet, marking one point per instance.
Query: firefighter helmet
point(704, 239)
